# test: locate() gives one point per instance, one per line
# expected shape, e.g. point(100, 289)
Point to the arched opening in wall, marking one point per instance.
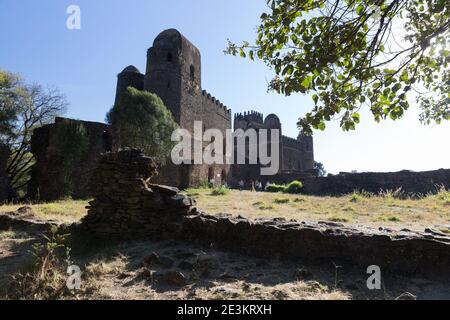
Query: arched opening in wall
point(169, 57)
point(168, 84)
point(211, 176)
point(224, 151)
point(192, 72)
point(223, 176)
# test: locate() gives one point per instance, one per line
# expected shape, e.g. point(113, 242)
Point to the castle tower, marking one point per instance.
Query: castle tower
point(174, 74)
point(129, 77)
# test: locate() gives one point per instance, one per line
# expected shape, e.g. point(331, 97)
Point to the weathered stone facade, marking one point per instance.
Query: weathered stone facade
point(296, 155)
point(57, 173)
point(4, 181)
point(174, 74)
point(127, 205)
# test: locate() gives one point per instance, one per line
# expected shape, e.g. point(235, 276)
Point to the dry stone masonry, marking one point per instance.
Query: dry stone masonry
point(127, 204)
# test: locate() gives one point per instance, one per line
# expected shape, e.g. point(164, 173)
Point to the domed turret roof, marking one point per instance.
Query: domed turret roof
point(130, 69)
point(272, 121)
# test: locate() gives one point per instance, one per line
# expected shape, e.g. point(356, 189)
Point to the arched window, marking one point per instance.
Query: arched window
point(169, 57)
point(168, 84)
point(192, 72)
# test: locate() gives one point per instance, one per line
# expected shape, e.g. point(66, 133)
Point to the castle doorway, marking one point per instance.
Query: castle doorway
point(223, 177)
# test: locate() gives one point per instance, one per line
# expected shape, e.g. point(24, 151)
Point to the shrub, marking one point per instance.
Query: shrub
point(46, 278)
point(220, 191)
point(275, 188)
point(355, 197)
point(294, 187)
point(140, 120)
point(204, 184)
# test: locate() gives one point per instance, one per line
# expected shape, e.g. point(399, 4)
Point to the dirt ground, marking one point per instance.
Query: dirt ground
point(168, 270)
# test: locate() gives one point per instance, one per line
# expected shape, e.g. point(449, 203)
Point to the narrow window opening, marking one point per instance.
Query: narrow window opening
point(192, 71)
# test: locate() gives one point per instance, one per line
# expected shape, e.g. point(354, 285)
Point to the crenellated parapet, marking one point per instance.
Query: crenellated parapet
point(216, 102)
point(291, 142)
point(252, 115)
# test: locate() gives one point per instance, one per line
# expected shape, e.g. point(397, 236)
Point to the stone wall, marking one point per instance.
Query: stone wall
point(410, 182)
point(127, 205)
point(409, 253)
point(53, 176)
point(4, 181)
point(174, 73)
point(296, 156)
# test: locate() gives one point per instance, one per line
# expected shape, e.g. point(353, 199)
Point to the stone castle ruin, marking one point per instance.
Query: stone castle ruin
point(127, 204)
point(68, 151)
point(296, 155)
point(173, 72)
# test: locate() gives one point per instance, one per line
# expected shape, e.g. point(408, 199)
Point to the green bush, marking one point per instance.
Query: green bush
point(275, 188)
point(204, 184)
point(220, 191)
point(294, 187)
point(140, 120)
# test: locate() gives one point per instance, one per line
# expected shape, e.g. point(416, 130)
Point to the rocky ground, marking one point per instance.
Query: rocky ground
point(169, 270)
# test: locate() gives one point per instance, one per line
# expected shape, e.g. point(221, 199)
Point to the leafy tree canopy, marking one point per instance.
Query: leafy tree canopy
point(320, 168)
point(350, 54)
point(23, 107)
point(141, 120)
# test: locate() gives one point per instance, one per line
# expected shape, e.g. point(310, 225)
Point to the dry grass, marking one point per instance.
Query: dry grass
point(65, 210)
point(384, 210)
point(116, 271)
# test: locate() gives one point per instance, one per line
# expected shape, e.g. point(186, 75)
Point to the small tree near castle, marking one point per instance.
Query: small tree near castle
point(140, 119)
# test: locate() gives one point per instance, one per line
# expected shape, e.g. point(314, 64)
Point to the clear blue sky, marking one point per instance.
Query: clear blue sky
point(116, 33)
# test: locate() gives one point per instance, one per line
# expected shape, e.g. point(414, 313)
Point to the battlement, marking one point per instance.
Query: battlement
point(288, 141)
point(216, 101)
point(252, 115)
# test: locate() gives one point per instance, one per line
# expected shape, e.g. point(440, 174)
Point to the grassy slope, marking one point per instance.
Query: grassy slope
point(385, 211)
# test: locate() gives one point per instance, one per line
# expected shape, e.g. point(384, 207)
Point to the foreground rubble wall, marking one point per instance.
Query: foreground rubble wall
point(406, 252)
point(127, 205)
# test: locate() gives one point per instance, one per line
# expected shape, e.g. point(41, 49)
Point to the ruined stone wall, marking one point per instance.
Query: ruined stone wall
point(4, 181)
point(127, 205)
point(53, 176)
point(410, 182)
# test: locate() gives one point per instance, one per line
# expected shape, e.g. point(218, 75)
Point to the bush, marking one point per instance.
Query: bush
point(140, 120)
point(46, 277)
point(294, 187)
point(220, 191)
point(204, 184)
point(275, 188)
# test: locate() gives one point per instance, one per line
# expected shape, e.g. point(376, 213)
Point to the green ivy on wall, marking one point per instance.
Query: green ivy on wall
point(71, 142)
